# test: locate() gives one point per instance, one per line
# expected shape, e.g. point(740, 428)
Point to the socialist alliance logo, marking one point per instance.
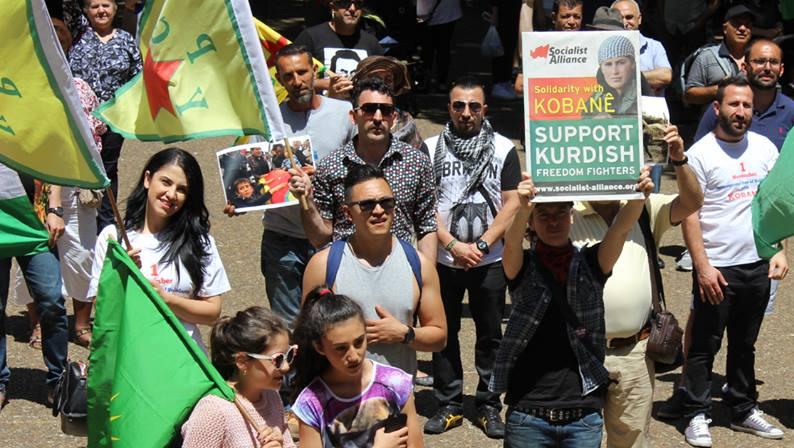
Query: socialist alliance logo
point(572, 54)
point(540, 52)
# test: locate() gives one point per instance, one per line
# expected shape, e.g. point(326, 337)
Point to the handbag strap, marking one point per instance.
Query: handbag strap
point(657, 289)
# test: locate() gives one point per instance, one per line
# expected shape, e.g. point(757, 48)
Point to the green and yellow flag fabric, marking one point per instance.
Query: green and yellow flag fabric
point(204, 75)
point(146, 372)
point(21, 232)
point(43, 130)
point(773, 204)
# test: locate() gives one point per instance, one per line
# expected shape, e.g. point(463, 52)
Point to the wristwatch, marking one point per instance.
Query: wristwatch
point(681, 162)
point(482, 246)
point(57, 211)
point(410, 336)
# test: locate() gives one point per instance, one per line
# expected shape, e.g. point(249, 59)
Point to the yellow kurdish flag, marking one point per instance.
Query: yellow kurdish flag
point(43, 130)
point(271, 42)
point(204, 75)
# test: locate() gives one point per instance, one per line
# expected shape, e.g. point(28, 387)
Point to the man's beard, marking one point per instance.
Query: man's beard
point(725, 124)
point(756, 82)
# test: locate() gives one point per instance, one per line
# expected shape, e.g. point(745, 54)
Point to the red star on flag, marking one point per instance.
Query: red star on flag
point(156, 76)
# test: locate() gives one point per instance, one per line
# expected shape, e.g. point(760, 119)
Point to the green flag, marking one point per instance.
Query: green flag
point(773, 204)
point(21, 232)
point(146, 372)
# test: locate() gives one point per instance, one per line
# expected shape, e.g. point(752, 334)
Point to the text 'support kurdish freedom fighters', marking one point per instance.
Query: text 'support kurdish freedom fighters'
point(583, 130)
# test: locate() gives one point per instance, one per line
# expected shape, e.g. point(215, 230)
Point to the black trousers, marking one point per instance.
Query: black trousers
point(111, 151)
point(486, 287)
point(507, 26)
point(741, 313)
point(436, 46)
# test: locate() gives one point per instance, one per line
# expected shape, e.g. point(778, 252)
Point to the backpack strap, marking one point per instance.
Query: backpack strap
point(416, 267)
point(334, 260)
point(657, 287)
point(721, 61)
point(413, 260)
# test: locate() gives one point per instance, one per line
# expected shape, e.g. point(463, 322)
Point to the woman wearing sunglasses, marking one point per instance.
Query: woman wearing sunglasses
point(252, 352)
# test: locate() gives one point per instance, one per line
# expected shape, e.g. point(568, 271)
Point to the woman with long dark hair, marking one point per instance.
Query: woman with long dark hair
point(168, 226)
point(345, 398)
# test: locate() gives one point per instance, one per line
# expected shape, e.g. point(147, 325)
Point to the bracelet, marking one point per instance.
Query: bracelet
point(452, 243)
point(681, 162)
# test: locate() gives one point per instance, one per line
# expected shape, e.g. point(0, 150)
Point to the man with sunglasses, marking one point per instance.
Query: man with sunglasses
point(394, 285)
point(407, 170)
point(342, 34)
point(476, 171)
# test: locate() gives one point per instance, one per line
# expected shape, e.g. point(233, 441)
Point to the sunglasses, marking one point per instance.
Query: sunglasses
point(371, 108)
point(368, 205)
point(345, 4)
point(460, 106)
point(279, 358)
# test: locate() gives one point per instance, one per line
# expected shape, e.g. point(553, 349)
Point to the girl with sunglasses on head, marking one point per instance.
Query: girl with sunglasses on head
point(168, 227)
point(252, 353)
point(347, 400)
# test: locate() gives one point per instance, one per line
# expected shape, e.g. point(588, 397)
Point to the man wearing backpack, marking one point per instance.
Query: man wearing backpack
point(393, 283)
point(476, 172)
point(709, 65)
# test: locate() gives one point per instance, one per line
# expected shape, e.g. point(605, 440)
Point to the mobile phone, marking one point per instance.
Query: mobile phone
point(395, 422)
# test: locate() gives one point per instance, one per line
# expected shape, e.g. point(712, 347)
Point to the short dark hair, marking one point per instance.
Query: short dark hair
point(760, 41)
point(736, 81)
point(466, 82)
point(570, 4)
point(357, 174)
point(242, 180)
point(374, 84)
point(292, 50)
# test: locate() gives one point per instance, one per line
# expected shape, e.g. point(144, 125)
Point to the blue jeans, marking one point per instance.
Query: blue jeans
point(283, 260)
point(43, 277)
point(523, 430)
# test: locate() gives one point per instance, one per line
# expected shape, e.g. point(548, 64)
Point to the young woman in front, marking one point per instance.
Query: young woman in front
point(347, 400)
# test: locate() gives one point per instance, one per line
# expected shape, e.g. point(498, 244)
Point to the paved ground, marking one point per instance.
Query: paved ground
point(26, 422)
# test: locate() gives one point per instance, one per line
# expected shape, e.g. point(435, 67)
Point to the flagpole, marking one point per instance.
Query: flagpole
point(117, 215)
point(288, 150)
point(246, 415)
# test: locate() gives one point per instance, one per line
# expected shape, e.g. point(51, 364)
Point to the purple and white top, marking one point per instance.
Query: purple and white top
point(352, 422)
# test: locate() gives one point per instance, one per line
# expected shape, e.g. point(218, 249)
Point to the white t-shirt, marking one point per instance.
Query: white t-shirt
point(470, 217)
point(729, 174)
point(215, 280)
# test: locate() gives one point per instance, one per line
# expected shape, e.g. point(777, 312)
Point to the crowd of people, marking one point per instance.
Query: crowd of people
point(396, 229)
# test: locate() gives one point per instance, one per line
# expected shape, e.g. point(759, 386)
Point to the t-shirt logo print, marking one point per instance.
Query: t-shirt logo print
point(469, 221)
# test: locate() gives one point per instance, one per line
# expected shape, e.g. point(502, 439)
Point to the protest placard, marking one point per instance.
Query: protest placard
point(583, 128)
point(254, 176)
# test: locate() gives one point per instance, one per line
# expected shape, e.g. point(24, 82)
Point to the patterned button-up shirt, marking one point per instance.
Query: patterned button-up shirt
point(531, 296)
point(105, 66)
point(410, 176)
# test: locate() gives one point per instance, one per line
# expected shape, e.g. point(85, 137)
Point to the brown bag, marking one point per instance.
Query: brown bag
point(90, 198)
point(664, 343)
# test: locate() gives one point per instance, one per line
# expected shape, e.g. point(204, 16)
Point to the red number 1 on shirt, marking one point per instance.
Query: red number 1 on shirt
point(741, 164)
point(154, 270)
